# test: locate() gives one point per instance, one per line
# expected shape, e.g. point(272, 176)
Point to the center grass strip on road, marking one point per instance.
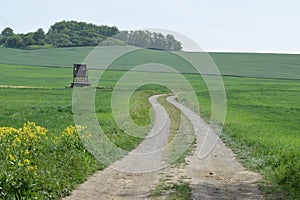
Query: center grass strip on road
point(177, 119)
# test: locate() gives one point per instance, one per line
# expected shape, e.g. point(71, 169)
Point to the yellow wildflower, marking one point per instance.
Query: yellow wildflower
point(26, 152)
point(26, 162)
point(30, 168)
point(40, 130)
point(31, 135)
point(69, 131)
point(12, 158)
point(20, 164)
point(18, 140)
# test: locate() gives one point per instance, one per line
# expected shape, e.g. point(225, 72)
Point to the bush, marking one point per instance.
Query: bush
point(37, 164)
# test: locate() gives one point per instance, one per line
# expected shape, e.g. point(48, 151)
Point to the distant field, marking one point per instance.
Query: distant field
point(284, 66)
point(58, 57)
point(262, 122)
point(232, 64)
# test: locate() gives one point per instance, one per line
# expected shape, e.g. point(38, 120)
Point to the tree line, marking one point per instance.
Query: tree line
point(147, 39)
point(75, 34)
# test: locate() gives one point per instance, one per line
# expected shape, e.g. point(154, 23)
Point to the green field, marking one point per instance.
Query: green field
point(263, 105)
point(262, 127)
point(284, 66)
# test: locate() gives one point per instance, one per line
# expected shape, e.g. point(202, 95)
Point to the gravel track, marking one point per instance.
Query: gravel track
point(213, 173)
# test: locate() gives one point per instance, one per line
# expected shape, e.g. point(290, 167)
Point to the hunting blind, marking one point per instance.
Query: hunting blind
point(80, 75)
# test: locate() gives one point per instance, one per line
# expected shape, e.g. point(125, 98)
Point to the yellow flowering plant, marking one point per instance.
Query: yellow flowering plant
point(29, 155)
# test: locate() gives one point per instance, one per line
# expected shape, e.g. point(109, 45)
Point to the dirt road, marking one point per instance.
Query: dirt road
point(217, 175)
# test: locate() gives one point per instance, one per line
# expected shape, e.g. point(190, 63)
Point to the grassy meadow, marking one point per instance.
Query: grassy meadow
point(262, 121)
point(262, 128)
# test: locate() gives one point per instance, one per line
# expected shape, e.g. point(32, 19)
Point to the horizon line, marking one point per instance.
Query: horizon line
point(251, 51)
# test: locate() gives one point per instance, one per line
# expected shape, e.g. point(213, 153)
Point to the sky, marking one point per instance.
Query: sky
point(216, 25)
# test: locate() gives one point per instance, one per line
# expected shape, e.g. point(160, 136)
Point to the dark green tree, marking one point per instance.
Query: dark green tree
point(7, 32)
point(78, 33)
point(147, 39)
point(28, 40)
point(14, 41)
point(39, 37)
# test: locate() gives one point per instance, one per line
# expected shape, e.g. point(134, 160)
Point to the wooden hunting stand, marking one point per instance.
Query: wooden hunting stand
point(80, 76)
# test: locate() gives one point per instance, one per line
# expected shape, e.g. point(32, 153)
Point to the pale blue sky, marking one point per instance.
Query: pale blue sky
point(216, 25)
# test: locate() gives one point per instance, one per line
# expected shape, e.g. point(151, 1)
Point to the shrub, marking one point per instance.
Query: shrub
point(38, 164)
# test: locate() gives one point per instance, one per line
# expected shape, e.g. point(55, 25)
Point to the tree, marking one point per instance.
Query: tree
point(39, 37)
point(14, 41)
point(172, 44)
point(28, 40)
point(147, 39)
point(7, 32)
point(79, 33)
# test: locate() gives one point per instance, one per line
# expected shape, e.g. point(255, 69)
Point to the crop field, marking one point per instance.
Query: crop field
point(262, 122)
point(284, 66)
point(262, 127)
